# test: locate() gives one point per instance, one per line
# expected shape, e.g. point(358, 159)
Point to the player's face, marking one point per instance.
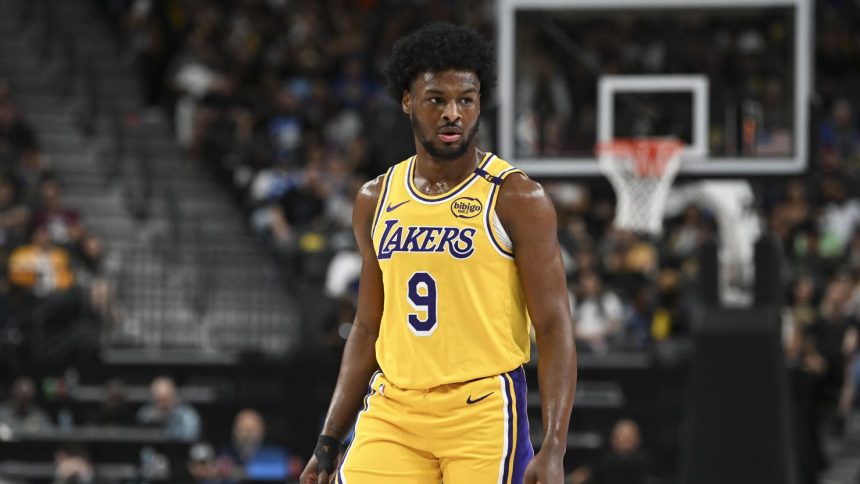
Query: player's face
point(444, 108)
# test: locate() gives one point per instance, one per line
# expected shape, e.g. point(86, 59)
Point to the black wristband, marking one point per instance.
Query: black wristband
point(326, 453)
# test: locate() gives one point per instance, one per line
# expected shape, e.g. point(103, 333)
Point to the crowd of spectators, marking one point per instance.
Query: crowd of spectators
point(54, 274)
point(246, 455)
point(282, 100)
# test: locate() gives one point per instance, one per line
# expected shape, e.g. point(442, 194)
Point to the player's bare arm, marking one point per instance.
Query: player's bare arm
point(528, 217)
point(359, 355)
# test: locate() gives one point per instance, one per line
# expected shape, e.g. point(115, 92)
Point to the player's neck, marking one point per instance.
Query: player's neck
point(434, 175)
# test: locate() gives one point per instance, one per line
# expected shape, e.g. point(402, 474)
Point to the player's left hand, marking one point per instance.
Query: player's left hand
point(546, 468)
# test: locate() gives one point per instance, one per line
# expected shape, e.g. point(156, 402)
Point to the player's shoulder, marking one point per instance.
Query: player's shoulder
point(371, 189)
point(517, 186)
point(366, 200)
point(522, 203)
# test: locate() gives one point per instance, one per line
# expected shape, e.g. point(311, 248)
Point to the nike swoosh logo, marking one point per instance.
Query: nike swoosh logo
point(469, 400)
point(390, 208)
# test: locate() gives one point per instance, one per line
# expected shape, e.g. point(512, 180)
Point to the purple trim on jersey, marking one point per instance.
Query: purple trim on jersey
point(382, 201)
point(489, 220)
point(525, 452)
point(509, 409)
point(421, 197)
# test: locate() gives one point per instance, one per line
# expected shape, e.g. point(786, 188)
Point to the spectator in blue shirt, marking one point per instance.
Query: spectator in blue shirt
point(246, 456)
point(179, 420)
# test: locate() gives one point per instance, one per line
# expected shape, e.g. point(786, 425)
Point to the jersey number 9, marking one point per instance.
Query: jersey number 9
point(422, 297)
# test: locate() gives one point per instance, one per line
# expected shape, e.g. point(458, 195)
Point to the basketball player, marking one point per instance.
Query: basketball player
point(460, 258)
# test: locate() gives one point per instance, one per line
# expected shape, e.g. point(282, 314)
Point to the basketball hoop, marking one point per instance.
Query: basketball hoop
point(641, 171)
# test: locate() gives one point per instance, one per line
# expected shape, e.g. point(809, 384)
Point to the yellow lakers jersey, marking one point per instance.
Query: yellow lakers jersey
point(454, 306)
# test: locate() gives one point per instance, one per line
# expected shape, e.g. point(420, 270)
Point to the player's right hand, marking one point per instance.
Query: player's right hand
point(323, 464)
point(312, 475)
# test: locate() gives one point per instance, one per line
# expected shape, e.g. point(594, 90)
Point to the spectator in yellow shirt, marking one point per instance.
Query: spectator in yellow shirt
point(41, 267)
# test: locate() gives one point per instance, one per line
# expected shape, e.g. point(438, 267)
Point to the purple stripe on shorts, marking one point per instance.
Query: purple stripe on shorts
point(525, 452)
point(509, 408)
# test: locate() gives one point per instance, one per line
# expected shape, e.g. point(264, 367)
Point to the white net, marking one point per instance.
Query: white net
point(641, 171)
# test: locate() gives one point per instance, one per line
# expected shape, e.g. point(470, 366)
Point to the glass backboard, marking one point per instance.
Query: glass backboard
point(730, 78)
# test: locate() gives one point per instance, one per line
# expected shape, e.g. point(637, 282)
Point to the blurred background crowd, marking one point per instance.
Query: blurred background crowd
point(282, 102)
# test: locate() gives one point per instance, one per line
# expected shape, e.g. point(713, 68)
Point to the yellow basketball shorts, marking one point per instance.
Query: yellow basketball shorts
point(475, 432)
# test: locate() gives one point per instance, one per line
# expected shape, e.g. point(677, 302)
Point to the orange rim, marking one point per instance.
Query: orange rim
point(649, 155)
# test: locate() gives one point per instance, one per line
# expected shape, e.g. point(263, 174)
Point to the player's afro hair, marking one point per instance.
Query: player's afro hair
point(437, 47)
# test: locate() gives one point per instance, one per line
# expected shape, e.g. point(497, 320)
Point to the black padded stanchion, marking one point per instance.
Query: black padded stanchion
point(738, 423)
point(768, 262)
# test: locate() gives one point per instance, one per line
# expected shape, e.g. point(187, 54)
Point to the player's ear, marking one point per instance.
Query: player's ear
point(406, 102)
